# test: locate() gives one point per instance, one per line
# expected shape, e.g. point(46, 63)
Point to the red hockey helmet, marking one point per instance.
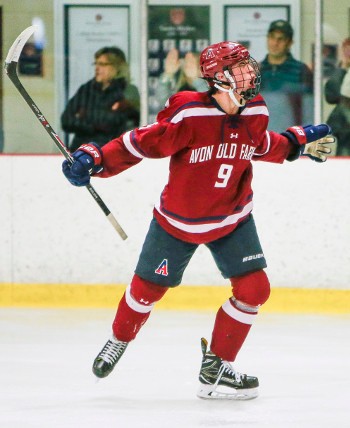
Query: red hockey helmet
point(215, 58)
point(223, 57)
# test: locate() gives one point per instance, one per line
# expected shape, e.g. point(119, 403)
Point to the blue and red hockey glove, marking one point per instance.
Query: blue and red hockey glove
point(87, 161)
point(314, 141)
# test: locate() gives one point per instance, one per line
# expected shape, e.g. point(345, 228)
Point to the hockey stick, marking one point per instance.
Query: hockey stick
point(11, 70)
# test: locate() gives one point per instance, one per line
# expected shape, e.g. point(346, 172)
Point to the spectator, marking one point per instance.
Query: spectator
point(337, 91)
point(106, 105)
point(179, 75)
point(287, 84)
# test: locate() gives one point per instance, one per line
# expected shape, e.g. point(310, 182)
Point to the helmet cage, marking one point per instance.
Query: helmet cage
point(237, 78)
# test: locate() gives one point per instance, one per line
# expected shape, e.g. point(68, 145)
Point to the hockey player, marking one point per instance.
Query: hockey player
point(212, 139)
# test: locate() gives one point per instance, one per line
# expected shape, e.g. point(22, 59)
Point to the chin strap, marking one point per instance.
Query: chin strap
point(231, 82)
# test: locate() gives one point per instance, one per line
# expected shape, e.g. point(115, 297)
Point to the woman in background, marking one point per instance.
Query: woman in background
point(105, 106)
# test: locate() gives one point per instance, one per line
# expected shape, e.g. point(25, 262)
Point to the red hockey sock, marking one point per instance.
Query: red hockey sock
point(135, 307)
point(228, 335)
point(236, 316)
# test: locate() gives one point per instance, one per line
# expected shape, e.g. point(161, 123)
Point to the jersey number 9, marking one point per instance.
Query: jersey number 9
point(223, 175)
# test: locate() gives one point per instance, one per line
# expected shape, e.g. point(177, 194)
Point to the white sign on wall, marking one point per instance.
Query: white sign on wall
point(249, 24)
point(88, 29)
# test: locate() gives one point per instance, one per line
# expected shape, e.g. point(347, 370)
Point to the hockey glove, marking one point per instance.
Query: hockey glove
point(87, 161)
point(313, 141)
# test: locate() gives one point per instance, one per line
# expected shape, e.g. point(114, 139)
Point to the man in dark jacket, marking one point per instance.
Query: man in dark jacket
point(287, 84)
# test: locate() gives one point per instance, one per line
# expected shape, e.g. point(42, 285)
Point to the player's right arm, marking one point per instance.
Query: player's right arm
point(160, 139)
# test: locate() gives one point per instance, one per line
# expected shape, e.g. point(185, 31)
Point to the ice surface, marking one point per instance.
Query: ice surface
point(302, 362)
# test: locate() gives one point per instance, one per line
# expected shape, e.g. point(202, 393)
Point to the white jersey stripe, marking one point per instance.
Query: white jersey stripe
point(249, 111)
point(207, 227)
point(129, 146)
point(205, 111)
point(136, 306)
point(237, 314)
point(268, 143)
point(196, 111)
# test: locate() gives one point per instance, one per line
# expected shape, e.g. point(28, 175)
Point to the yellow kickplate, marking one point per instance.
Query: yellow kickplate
point(184, 297)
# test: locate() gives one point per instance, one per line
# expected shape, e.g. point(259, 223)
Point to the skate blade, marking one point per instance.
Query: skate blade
point(207, 392)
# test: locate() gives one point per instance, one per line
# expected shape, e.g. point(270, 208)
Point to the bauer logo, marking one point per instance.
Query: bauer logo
point(91, 149)
point(162, 269)
point(252, 257)
point(299, 130)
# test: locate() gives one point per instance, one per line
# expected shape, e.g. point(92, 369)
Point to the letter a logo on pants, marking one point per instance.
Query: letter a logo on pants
point(162, 269)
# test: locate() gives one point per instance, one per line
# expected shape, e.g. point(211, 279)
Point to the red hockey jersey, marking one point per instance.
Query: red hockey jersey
point(209, 187)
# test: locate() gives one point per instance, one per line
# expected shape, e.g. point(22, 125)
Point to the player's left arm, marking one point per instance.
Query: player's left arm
point(314, 141)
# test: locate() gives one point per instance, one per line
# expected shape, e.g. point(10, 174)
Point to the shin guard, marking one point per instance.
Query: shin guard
point(135, 307)
point(236, 316)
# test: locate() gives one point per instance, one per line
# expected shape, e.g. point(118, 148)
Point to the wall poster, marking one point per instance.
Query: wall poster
point(185, 28)
point(248, 25)
point(87, 29)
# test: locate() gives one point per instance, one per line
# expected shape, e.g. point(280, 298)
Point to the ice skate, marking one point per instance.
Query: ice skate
point(109, 356)
point(218, 379)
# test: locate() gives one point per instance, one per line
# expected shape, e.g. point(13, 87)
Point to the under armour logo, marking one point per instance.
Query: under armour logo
point(232, 135)
point(162, 269)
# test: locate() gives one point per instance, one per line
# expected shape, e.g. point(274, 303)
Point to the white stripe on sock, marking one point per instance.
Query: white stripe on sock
point(133, 304)
point(237, 314)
